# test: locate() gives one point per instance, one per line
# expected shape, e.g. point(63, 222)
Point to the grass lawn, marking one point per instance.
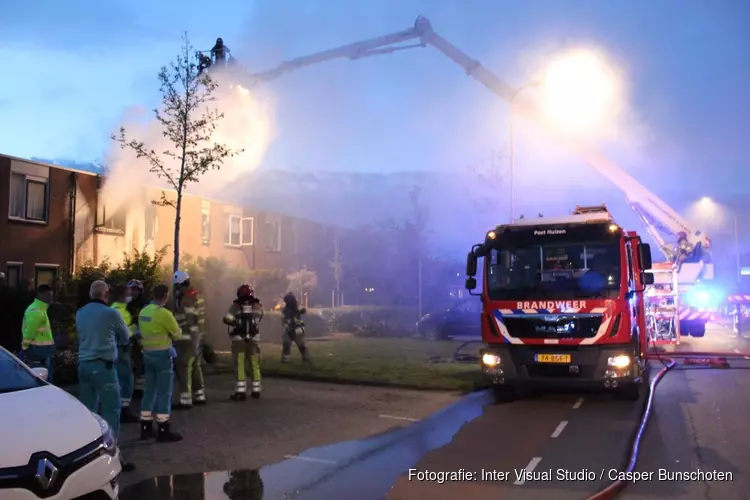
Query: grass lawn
point(373, 361)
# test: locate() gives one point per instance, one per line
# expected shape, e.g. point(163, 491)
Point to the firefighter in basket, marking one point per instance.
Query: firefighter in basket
point(243, 319)
point(294, 329)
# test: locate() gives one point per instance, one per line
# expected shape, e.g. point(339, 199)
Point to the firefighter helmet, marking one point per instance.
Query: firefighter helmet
point(245, 291)
point(180, 277)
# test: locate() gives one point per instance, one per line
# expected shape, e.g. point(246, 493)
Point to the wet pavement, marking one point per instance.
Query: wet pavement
point(698, 423)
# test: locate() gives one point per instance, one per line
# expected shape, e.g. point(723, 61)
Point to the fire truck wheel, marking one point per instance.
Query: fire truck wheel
point(630, 392)
point(503, 393)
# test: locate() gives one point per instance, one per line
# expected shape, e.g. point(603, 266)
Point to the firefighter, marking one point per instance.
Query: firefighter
point(294, 329)
point(124, 364)
point(135, 302)
point(189, 312)
point(219, 52)
point(159, 329)
point(38, 343)
point(243, 319)
point(204, 62)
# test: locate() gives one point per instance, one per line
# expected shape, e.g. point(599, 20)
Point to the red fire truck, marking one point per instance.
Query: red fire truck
point(563, 303)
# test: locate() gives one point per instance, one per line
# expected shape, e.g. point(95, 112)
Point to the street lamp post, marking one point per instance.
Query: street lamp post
point(710, 204)
point(512, 145)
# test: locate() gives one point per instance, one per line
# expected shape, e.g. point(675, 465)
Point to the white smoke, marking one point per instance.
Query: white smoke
point(248, 126)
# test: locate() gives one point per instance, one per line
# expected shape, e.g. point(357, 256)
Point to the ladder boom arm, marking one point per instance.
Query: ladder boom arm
point(669, 220)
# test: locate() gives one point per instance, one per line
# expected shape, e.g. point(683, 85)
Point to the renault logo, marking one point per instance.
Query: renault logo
point(46, 473)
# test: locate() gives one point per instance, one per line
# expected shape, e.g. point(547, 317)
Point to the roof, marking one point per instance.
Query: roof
point(563, 220)
point(50, 165)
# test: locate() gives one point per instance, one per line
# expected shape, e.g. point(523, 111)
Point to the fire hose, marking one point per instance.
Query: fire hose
point(668, 360)
point(704, 359)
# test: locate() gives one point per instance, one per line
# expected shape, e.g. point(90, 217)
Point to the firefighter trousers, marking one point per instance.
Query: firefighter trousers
point(189, 374)
point(296, 337)
point(98, 384)
point(244, 351)
point(124, 367)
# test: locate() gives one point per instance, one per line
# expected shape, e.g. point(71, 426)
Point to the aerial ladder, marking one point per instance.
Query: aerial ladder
point(688, 262)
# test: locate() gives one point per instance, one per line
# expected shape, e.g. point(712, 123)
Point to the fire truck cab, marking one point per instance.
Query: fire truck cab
point(562, 304)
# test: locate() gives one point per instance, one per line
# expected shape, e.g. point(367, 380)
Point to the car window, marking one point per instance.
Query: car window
point(14, 376)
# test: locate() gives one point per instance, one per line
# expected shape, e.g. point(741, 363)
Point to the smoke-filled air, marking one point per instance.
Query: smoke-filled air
point(247, 128)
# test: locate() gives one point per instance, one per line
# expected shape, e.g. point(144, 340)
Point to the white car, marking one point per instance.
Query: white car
point(51, 446)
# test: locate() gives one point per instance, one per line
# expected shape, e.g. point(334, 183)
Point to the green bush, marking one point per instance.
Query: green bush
point(370, 321)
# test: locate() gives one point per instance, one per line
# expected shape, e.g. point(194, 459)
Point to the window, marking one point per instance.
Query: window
point(239, 232)
point(273, 236)
point(109, 222)
point(205, 223)
point(45, 274)
point(150, 225)
point(28, 197)
point(564, 270)
point(13, 274)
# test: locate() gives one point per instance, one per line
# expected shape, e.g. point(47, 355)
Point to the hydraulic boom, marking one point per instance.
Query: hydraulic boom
point(658, 217)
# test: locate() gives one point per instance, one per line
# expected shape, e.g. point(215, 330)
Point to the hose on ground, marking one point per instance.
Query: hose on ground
point(616, 487)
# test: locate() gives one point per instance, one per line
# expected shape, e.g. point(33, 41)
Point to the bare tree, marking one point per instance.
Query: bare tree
point(420, 221)
point(337, 264)
point(188, 123)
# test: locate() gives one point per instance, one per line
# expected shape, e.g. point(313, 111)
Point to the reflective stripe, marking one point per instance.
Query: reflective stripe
point(42, 343)
point(256, 386)
point(162, 417)
point(194, 329)
point(124, 402)
point(146, 415)
point(190, 310)
point(186, 337)
point(185, 398)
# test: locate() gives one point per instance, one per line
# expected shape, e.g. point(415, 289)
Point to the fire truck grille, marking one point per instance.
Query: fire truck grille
point(554, 327)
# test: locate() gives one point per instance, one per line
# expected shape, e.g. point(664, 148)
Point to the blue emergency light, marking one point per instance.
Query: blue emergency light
point(703, 298)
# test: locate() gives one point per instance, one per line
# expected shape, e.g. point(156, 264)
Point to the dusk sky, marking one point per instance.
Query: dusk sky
point(75, 68)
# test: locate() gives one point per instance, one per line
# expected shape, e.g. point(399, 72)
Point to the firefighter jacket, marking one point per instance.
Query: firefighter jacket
point(291, 318)
point(190, 314)
point(243, 319)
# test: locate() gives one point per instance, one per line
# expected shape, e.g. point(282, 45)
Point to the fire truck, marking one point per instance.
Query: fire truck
point(563, 303)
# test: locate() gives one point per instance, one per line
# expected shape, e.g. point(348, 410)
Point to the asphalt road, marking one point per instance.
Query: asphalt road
point(697, 424)
point(291, 417)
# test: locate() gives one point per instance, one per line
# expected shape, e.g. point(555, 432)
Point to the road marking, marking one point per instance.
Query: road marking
point(529, 468)
point(558, 430)
point(310, 459)
point(578, 403)
point(393, 417)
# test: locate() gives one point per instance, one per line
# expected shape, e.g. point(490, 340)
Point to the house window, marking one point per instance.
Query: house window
point(13, 274)
point(150, 223)
point(206, 223)
point(239, 232)
point(110, 220)
point(273, 236)
point(45, 274)
point(28, 197)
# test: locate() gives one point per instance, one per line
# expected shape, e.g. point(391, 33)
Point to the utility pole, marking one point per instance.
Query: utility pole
point(337, 266)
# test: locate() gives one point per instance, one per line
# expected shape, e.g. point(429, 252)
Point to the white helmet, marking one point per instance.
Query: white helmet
point(180, 277)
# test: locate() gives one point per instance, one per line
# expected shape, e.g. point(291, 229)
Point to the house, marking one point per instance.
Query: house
point(57, 219)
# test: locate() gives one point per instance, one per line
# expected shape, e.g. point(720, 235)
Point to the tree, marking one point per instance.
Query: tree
point(337, 265)
point(303, 281)
point(488, 185)
point(187, 122)
point(419, 222)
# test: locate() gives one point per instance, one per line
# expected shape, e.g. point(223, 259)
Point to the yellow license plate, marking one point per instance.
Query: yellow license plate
point(553, 358)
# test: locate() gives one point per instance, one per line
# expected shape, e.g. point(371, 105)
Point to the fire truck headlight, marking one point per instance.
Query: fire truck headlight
point(490, 359)
point(620, 361)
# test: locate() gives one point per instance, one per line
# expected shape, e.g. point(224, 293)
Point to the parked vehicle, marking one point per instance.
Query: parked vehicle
point(462, 319)
point(51, 446)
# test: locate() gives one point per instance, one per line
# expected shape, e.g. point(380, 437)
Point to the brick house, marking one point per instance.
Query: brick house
point(52, 219)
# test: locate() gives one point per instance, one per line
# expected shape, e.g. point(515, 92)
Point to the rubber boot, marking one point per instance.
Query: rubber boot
point(126, 466)
point(255, 394)
point(147, 430)
point(238, 396)
point(126, 417)
point(165, 435)
point(305, 355)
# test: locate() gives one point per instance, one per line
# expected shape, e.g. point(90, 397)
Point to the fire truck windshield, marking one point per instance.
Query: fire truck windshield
point(555, 270)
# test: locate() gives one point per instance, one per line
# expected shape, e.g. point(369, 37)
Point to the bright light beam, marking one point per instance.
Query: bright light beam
point(581, 92)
